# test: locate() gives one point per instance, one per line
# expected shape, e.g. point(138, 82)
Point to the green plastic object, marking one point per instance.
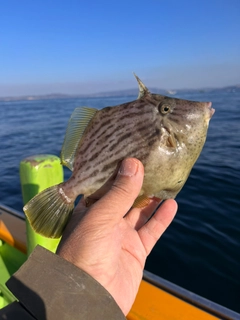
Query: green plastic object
point(11, 260)
point(36, 174)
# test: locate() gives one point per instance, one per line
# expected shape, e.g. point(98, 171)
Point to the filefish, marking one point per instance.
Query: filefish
point(166, 134)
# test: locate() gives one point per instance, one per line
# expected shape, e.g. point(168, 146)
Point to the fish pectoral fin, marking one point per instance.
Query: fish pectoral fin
point(78, 122)
point(141, 201)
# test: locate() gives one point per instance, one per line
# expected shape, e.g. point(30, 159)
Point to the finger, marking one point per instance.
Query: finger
point(137, 217)
point(115, 203)
point(123, 192)
point(155, 227)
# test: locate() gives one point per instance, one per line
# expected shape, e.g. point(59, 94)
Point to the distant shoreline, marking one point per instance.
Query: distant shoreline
point(120, 93)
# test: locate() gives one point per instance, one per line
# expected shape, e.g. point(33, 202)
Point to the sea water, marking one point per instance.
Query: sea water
point(200, 251)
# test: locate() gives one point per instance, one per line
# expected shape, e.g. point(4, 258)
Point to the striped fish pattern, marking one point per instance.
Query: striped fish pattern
point(166, 134)
point(106, 144)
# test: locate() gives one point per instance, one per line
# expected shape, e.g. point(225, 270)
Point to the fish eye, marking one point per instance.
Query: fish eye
point(164, 108)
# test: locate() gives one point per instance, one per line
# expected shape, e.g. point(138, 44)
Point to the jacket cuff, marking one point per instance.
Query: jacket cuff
point(50, 287)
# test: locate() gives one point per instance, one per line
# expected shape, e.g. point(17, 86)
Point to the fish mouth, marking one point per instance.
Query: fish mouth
point(209, 106)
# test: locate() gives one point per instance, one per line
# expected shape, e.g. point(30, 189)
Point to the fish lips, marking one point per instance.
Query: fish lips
point(209, 106)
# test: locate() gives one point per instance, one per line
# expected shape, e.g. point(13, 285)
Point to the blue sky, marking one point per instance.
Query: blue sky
point(78, 46)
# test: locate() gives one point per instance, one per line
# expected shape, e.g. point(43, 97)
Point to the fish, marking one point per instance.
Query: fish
point(166, 134)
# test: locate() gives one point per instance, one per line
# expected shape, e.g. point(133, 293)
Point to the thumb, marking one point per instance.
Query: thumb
point(124, 190)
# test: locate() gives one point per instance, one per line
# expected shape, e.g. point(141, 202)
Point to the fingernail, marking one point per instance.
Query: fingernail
point(129, 167)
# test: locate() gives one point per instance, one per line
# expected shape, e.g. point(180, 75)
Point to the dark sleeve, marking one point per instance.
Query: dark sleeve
point(49, 287)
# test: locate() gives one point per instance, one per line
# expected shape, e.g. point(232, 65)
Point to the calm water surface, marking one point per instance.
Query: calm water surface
point(200, 251)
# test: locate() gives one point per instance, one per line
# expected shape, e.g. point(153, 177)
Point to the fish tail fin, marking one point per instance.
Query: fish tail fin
point(49, 211)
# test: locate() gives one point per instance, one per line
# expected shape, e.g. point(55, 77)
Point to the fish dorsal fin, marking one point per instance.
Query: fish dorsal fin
point(143, 90)
point(77, 124)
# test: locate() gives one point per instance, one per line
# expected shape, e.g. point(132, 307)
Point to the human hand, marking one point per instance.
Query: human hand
point(110, 241)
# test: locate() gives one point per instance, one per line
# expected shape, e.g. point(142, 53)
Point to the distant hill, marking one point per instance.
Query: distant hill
point(118, 93)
